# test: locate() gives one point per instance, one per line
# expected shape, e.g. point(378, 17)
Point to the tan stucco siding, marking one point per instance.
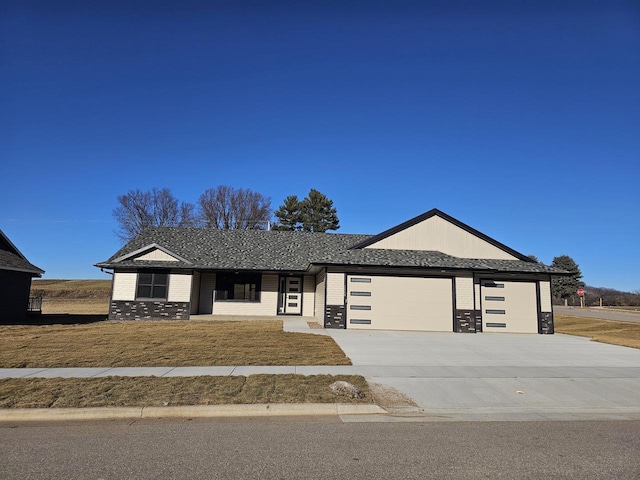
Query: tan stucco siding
point(207, 289)
point(335, 288)
point(437, 234)
point(320, 296)
point(179, 287)
point(308, 293)
point(545, 296)
point(124, 285)
point(464, 293)
point(268, 304)
point(157, 255)
point(478, 300)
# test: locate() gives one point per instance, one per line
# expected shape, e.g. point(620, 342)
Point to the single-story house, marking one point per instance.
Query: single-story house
point(431, 273)
point(16, 273)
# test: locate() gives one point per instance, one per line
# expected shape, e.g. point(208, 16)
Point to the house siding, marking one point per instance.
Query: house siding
point(179, 287)
point(320, 296)
point(268, 304)
point(14, 296)
point(464, 293)
point(308, 294)
point(545, 296)
point(124, 286)
point(438, 234)
point(335, 288)
point(334, 311)
point(157, 255)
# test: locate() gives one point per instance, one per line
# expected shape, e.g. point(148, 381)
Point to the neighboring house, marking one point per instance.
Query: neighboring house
point(432, 273)
point(15, 282)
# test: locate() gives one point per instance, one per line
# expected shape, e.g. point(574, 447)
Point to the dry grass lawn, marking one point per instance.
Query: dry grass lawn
point(625, 334)
point(79, 306)
point(164, 343)
point(156, 391)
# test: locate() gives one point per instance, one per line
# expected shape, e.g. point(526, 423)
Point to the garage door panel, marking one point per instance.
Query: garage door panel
point(509, 306)
point(400, 303)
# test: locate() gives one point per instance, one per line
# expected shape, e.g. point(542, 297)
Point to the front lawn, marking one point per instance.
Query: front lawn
point(164, 343)
point(626, 334)
point(158, 392)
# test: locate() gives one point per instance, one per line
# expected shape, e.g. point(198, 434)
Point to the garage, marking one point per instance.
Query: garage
point(509, 306)
point(399, 303)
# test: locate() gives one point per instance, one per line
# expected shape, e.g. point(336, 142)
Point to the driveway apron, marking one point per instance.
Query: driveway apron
point(486, 373)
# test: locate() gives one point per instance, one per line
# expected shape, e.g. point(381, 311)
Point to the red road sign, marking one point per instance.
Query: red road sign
point(580, 292)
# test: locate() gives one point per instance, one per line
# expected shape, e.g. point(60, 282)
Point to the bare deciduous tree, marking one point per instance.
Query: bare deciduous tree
point(138, 210)
point(228, 208)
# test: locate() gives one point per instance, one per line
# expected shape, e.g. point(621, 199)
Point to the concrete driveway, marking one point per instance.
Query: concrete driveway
point(515, 376)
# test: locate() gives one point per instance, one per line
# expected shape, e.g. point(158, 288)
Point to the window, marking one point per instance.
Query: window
point(238, 286)
point(360, 294)
point(494, 299)
point(495, 312)
point(152, 285)
point(359, 307)
point(360, 280)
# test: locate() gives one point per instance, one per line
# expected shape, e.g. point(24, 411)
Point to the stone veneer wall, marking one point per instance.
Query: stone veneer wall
point(148, 310)
point(467, 321)
point(545, 323)
point(335, 317)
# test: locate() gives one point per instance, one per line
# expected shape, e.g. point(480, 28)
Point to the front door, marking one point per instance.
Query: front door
point(290, 296)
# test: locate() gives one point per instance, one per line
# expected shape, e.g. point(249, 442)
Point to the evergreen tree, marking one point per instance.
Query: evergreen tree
point(565, 287)
point(318, 213)
point(288, 214)
point(315, 213)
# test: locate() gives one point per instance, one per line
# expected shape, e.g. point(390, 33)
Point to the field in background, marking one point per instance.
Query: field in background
point(84, 297)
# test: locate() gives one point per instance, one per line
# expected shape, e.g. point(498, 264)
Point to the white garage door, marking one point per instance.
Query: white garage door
point(399, 303)
point(509, 306)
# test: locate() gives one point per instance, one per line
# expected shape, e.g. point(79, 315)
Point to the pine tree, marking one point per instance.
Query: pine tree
point(565, 287)
point(318, 213)
point(315, 213)
point(288, 214)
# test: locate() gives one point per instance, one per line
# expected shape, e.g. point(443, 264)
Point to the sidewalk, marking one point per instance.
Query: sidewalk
point(447, 376)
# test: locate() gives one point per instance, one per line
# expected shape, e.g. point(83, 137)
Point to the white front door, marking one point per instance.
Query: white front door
point(291, 295)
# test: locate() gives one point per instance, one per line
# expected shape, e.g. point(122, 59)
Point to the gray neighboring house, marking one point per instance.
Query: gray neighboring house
point(16, 273)
point(430, 273)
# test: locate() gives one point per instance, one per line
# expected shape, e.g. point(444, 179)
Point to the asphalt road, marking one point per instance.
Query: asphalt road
point(594, 312)
point(321, 448)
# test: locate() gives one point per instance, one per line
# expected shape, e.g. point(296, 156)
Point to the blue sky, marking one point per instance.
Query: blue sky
point(521, 119)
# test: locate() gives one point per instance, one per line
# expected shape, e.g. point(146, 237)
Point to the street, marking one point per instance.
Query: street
point(324, 447)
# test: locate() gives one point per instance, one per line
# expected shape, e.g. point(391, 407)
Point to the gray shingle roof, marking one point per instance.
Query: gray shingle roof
point(292, 251)
point(12, 259)
point(236, 249)
point(431, 259)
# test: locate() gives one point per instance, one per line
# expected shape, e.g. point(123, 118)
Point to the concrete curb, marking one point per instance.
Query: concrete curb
point(188, 411)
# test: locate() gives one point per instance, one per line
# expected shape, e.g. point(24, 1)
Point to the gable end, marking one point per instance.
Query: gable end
point(382, 239)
